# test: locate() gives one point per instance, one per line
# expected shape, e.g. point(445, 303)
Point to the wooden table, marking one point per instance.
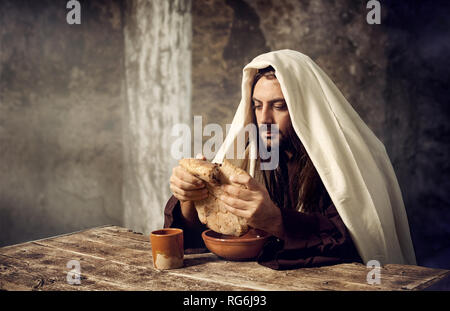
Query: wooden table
point(115, 258)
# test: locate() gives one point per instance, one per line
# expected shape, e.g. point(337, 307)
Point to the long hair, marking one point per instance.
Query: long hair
point(302, 181)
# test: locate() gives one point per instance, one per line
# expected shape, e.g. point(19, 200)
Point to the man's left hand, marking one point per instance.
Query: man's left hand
point(253, 203)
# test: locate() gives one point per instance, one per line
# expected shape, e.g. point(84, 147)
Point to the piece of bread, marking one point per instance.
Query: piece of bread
point(211, 211)
point(207, 171)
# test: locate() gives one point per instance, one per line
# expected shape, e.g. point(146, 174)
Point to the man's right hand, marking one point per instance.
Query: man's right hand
point(187, 187)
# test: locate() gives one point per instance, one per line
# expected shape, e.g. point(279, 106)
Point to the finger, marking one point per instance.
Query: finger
point(237, 212)
point(246, 180)
point(184, 199)
point(185, 185)
point(200, 156)
point(184, 175)
point(189, 193)
point(234, 202)
point(238, 192)
point(193, 195)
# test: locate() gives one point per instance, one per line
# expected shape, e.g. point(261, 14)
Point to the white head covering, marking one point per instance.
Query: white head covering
point(350, 160)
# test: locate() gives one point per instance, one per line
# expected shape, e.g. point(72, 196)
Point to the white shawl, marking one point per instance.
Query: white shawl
point(351, 161)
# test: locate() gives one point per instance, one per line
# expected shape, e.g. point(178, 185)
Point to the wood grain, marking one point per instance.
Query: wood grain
point(115, 258)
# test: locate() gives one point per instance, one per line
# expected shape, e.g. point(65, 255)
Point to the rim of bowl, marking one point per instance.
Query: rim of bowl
point(235, 240)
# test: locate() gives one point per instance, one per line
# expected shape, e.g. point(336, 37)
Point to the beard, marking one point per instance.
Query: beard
point(303, 181)
point(287, 141)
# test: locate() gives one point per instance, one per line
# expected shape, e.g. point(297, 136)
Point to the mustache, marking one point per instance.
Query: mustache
point(288, 139)
point(266, 128)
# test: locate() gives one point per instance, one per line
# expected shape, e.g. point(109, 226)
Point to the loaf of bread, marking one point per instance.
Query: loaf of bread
point(211, 211)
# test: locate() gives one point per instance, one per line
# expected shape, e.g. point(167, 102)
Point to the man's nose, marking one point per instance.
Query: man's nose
point(266, 115)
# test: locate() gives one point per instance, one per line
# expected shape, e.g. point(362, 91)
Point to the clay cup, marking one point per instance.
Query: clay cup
point(167, 248)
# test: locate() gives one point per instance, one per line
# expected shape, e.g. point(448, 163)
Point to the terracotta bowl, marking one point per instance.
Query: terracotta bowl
point(229, 247)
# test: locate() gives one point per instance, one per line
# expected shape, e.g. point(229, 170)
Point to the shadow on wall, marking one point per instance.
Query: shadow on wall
point(417, 97)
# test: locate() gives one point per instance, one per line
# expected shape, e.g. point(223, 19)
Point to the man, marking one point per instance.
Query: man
point(333, 197)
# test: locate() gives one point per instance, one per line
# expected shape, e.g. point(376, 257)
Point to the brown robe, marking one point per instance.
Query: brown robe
point(310, 239)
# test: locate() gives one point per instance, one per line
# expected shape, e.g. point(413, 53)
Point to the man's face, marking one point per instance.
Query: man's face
point(270, 108)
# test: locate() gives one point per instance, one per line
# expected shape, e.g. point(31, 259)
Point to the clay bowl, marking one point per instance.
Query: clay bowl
point(229, 247)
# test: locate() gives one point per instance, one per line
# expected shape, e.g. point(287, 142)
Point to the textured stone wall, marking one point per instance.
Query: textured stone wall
point(86, 112)
point(226, 36)
point(417, 136)
point(61, 95)
point(83, 109)
point(394, 75)
point(158, 83)
point(230, 33)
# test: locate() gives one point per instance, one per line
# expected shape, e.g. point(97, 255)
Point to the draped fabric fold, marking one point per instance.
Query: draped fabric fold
point(350, 160)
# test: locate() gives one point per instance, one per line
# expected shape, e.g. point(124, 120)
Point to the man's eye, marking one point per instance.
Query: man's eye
point(257, 106)
point(279, 107)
